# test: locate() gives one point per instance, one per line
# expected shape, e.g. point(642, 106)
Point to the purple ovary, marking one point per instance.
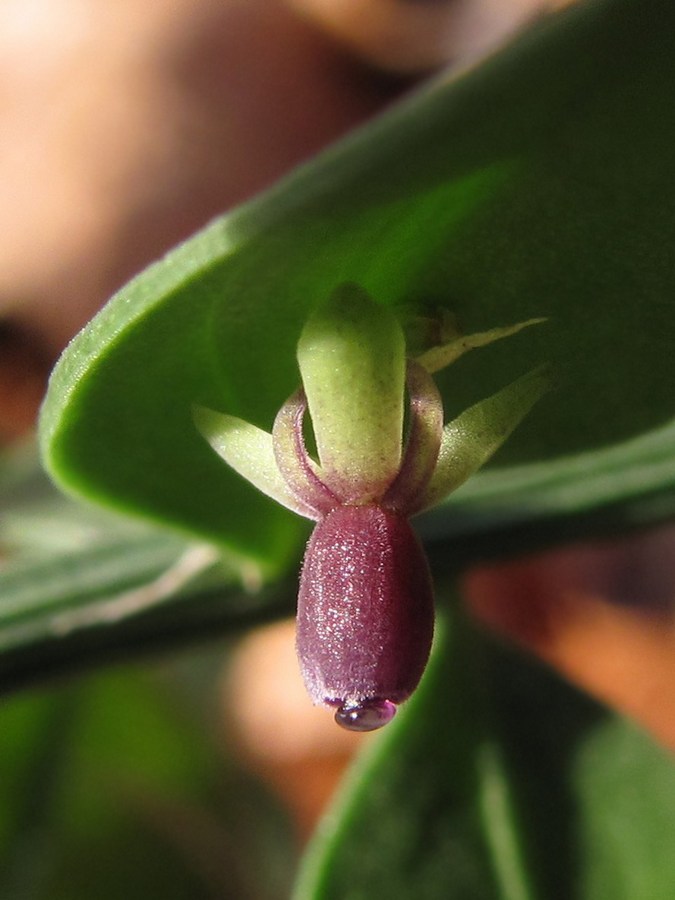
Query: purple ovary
point(365, 614)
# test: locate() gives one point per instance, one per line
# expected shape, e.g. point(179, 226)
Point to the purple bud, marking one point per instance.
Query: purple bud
point(365, 614)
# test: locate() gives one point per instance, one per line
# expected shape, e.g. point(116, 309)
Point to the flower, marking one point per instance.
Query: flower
point(365, 605)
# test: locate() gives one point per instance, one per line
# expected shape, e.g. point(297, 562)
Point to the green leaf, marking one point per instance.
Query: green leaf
point(539, 184)
point(113, 787)
point(626, 820)
point(119, 596)
point(499, 781)
point(80, 586)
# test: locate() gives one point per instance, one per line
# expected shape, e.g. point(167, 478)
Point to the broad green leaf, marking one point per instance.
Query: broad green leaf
point(539, 184)
point(499, 782)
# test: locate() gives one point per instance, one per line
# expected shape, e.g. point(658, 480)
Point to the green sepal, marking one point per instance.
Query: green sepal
point(442, 355)
point(474, 436)
point(249, 451)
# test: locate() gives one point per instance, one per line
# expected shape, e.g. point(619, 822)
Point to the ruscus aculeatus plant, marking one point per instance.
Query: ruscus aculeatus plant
point(365, 607)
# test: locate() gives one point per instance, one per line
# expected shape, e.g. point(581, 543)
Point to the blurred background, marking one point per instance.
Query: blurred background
point(126, 127)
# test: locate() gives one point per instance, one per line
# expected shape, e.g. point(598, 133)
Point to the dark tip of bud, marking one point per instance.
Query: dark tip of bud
point(366, 716)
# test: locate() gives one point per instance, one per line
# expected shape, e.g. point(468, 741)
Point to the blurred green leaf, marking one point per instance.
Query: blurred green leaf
point(499, 782)
point(110, 788)
point(79, 586)
point(120, 596)
point(540, 183)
